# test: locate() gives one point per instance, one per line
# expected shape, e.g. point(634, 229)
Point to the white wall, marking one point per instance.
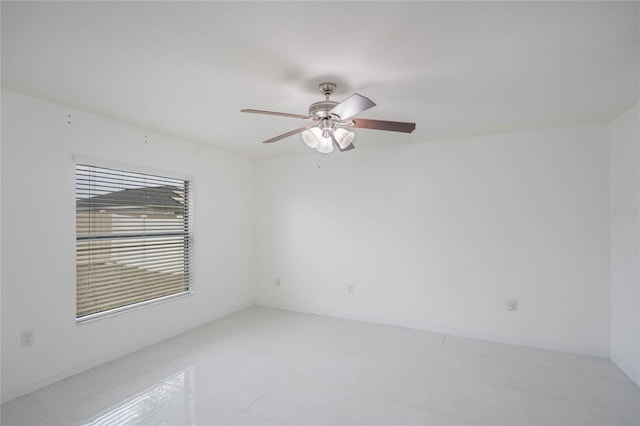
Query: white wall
point(38, 239)
point(625, 242)
point(438, 235)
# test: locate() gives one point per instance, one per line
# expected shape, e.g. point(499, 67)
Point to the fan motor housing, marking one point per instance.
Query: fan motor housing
point(322, 109)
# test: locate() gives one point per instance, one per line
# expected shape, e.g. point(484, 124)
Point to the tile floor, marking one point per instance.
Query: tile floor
point(268, 367)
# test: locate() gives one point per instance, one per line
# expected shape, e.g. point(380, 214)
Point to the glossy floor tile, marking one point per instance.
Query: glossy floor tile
point(459, 401)
point(269, 367)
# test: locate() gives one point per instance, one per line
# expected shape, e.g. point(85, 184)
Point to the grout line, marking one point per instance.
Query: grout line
point(435, 376)
point(517, 395)
point(236, 417)
point(246, 409)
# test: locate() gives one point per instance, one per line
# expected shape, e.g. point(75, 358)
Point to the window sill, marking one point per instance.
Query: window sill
point(101, 315)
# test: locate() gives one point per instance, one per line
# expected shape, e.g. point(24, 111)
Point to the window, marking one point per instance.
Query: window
point(134, 243)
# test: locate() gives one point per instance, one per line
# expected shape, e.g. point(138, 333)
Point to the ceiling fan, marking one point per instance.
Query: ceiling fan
point(329, 117)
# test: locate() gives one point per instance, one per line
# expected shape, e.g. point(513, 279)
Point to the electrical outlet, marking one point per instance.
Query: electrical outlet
point(350, 289)
point(27, 338)
point(277, 282)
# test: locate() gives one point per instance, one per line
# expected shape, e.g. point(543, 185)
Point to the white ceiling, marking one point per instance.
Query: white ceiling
point(455, 68)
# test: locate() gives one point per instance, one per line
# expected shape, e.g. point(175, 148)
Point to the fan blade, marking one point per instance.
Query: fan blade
point(283, 114)
point(286, 135)
point(392, 126)
point(351, 106)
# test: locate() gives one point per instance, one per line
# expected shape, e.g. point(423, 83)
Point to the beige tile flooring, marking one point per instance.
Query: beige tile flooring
point(264, 366)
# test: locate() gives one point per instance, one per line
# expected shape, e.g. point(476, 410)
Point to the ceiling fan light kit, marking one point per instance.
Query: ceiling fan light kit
point(329, 117)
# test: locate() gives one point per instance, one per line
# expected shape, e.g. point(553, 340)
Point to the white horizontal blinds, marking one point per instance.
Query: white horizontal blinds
point(133, 239)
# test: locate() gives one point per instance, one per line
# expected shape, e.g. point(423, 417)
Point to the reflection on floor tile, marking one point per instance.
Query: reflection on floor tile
point(269, 367)
point(66, 393)
point(139, 401)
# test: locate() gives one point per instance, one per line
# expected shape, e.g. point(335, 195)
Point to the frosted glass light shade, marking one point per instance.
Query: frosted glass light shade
point(343, 137)
point(325, 146)
point(312, 137)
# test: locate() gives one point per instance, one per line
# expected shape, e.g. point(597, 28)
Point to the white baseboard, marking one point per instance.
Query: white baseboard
point(445, 330)
point(49, 380)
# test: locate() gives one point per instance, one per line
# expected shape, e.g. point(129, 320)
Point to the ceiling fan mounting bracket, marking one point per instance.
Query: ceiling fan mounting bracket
point(327, 88)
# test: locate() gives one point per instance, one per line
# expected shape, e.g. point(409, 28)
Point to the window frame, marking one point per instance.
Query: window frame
point(189, 222)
